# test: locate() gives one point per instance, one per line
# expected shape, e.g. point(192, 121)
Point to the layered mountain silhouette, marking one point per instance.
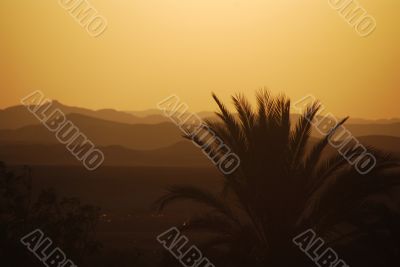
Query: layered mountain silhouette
point(180, 154)
point(137, 137)
point(101, 132)
point(18, 116)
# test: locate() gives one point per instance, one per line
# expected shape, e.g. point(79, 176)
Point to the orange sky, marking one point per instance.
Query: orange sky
point(153, 48)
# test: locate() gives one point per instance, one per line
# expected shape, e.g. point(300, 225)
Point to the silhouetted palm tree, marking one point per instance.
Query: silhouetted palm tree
point(283, 186)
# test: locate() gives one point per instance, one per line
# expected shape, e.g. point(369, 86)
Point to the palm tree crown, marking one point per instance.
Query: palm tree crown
point(283, 185)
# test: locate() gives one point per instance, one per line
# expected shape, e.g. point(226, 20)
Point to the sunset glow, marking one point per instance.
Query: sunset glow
point(153, 48)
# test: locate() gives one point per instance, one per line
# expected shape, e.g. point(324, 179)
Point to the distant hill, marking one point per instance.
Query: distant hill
point(102, 133)
point(142, 136)
point(137, 129)
point(385, 143)
point(378, 121)
point(390, 129)
point(295, 116)
point(18, 116)
point(152, 112)
point(389, 144)
point(183, 153)
point(145, 113)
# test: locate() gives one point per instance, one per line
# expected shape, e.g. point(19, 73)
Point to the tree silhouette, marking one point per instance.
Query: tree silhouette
point(70, 224)
point(284, 186)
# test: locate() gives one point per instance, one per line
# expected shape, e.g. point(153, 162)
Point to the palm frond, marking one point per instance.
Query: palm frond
point(316, 152)
point(246, 114)
point(301, 133)
point(229, 119)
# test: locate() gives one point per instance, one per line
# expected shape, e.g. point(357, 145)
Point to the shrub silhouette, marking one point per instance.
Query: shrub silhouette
point(68, 223)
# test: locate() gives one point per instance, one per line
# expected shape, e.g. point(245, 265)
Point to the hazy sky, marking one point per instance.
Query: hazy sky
point(153, 48)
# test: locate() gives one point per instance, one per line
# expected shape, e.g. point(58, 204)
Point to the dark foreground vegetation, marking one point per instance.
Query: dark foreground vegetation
point(284, 186)
point(282, 189)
